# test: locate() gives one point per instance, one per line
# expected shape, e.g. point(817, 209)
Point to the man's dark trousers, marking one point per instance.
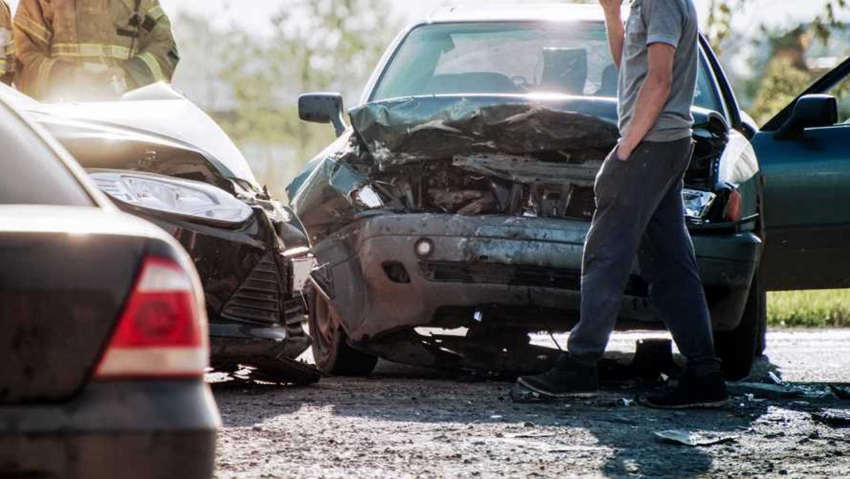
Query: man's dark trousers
point(640, 213)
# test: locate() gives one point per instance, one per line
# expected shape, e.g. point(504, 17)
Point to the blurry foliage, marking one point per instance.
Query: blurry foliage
point(719, 23)
point(782, 82)
point(829, 308)
point(314, 45)
point(784, 74)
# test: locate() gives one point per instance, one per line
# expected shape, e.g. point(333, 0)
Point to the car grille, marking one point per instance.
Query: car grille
point(582, 203)
point(258, 299)
point(528, 276)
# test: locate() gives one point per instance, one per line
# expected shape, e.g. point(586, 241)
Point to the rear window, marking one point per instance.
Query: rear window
point(30, 171)
point(509, 58)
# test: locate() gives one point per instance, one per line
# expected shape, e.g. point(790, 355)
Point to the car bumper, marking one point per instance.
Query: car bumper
point(234, 344)
point(247, 286)
point(151, 429)
point(377, 283)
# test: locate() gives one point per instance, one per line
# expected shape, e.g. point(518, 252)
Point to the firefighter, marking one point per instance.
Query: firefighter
point(7, 44)
point(89, 50)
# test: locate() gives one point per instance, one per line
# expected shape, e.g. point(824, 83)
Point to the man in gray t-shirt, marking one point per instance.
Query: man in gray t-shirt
point(639, 210)
point(672, 23)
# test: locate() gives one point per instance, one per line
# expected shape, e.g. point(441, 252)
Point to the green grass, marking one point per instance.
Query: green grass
point(809, 309)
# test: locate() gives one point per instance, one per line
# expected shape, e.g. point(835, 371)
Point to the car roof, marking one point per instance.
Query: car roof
point(511, 13)
point(12, 104)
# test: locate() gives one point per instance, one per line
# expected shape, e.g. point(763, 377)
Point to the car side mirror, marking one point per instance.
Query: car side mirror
point(322, 108)
point(810, 111)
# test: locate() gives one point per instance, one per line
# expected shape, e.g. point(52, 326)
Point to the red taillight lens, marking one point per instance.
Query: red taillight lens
point(732, 211)
point(162, 331)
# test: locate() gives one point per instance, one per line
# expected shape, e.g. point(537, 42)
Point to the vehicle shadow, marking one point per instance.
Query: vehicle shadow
point(612, 431)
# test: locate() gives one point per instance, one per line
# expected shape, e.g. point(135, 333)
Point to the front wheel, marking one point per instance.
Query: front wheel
point(738, 348)
point(331, 351)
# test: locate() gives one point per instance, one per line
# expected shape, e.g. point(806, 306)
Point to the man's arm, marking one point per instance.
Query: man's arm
point(652, 98)
point(616, 31)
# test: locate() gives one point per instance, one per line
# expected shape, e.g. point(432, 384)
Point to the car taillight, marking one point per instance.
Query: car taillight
point(162, 330)
point(732, 211)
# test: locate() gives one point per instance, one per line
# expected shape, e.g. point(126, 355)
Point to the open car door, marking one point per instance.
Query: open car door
point(804, 154)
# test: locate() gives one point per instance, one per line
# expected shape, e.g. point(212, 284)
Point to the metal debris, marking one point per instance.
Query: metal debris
point(840, 391)
point(687, 438)
point(763, 391)
point(835, 418)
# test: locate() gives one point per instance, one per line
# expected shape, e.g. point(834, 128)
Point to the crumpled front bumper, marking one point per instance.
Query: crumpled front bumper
point(247, 283)
point(379, 284)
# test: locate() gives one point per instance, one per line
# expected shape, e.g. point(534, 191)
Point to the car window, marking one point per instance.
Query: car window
point(30, 171)
point(509, 58)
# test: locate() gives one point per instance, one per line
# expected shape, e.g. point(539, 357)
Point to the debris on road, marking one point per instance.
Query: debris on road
point(775, 378)
point(842, 391)
point(763, 391)
point(835, 418)
point(369, 427)
point(687, 438)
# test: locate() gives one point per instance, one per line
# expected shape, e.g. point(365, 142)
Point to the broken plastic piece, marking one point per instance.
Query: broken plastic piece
point(765, 391)
point(687, 438)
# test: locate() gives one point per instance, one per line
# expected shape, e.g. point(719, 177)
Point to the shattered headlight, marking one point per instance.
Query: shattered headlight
point(368, 198)
point(697, 203)
point(182, 197)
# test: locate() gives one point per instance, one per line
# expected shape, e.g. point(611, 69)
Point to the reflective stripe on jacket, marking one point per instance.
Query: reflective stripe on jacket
point(7, 41)
point(56, 37)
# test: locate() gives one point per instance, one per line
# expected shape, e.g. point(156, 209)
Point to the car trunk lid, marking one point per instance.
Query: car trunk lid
point(65, 276)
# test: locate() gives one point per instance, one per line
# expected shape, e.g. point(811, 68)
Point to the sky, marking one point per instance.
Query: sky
point(254, 14)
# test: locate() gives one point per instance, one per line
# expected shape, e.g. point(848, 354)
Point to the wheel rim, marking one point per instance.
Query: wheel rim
point(324, 334)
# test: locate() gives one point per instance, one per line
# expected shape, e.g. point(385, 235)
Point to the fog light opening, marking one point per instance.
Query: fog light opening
point(396, 272)
point(424, 248)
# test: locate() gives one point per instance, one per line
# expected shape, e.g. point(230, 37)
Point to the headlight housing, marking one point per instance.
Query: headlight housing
point(170, 195)
point(697, 203)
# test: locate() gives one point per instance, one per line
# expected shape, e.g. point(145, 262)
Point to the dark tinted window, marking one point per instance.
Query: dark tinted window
point(30, 171)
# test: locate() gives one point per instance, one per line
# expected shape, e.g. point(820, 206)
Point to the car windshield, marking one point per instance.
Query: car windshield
point(509, 58)
point(32, 174)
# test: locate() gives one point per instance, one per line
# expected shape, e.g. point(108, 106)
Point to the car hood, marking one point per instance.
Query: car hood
point(407, 130)
point(154, 112)
point(424, 128)
point(472, 154)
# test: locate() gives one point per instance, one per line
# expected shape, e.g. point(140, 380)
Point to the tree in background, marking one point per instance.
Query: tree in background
point(327, 45)
point(250, 84)
point(785, 72)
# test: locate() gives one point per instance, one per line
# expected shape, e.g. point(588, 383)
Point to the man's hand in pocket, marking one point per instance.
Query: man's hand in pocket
point(624, 151)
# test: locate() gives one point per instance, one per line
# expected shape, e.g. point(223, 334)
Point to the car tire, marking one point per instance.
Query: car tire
point(331, 351)
point(738, 348)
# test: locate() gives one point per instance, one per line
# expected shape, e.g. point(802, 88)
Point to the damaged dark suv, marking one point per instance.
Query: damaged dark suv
point(461, 195)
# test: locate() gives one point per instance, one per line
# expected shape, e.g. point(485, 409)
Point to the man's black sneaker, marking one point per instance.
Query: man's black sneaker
point(568, 379)
point(692, 392)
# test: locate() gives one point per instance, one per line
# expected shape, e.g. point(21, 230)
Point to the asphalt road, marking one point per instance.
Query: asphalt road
point(409, 422)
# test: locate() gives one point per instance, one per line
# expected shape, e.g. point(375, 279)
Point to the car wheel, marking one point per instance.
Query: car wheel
point(738, 348)
point(330, 348)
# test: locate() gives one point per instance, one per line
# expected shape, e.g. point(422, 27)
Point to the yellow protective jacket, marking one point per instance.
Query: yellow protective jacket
point(56, 37)
point(7, 44)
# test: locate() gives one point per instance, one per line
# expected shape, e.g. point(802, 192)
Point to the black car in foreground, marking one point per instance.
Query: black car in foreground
point(103, 333)
point(161, 158)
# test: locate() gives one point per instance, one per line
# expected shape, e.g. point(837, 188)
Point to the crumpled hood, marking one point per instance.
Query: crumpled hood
point(424, 128)
point(154, 110)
